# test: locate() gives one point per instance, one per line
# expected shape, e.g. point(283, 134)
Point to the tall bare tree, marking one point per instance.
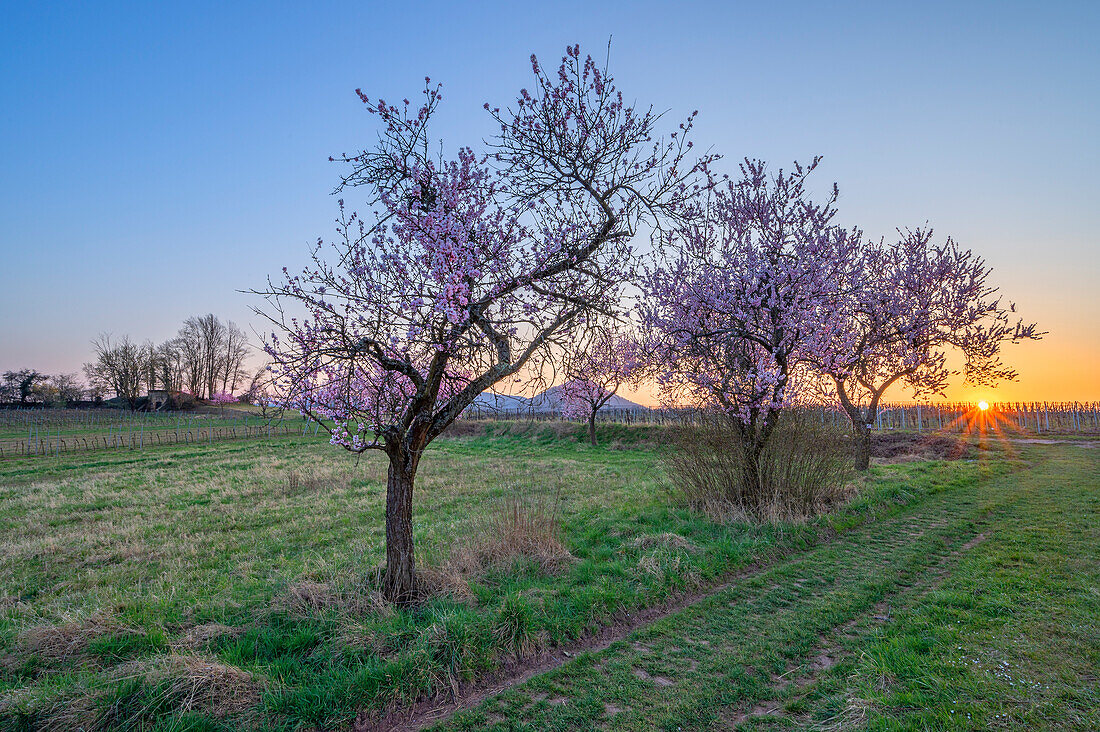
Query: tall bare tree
point(169, 365)
point(121, 367)
point(234, 351)
point(64, 388)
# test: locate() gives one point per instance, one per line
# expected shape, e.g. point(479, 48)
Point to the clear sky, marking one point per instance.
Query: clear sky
point(153, 161)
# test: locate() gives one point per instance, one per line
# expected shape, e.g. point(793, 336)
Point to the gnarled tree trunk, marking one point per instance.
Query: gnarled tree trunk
point(861, 423)
point(863, 444)
point(592, 428)
point(399, 583)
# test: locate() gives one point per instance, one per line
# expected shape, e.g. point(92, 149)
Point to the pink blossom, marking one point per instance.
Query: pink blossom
point(223, 397)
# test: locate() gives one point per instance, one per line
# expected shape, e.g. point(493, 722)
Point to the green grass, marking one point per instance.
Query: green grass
point(973, 609)
point(133, 563)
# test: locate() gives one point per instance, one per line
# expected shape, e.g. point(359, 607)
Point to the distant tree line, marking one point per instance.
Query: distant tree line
point(206, 357)
point(30, 386)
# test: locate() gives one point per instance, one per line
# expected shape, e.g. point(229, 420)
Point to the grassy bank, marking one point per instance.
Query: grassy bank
point(230, 585)
point(973, 609)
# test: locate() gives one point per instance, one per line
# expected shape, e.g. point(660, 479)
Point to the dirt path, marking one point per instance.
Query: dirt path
point(1052, 441)
point(513, 674)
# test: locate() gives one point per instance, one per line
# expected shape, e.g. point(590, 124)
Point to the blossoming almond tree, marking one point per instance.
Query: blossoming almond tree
point(745, 299)
point(469, 269)
point(912, 303)
point(602, 358)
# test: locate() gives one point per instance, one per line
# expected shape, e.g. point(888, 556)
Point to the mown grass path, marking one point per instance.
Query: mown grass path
point(976, 608)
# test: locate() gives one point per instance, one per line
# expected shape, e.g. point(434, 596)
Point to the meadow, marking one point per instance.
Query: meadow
point(233, 585)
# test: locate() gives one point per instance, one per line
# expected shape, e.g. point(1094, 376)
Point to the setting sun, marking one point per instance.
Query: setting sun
point(983, 405)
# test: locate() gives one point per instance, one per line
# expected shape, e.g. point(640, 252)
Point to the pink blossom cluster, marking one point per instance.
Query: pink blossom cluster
point(914, 301)
point(357, 405)
point(760, 301)
point(223, 397)
point(603, 358)
point(467, 270)
point(746, 293)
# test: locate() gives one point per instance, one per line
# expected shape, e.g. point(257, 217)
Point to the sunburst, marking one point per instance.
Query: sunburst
point(985, 420)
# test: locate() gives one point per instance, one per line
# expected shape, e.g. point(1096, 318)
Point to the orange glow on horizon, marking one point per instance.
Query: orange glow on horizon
point(1059, 368)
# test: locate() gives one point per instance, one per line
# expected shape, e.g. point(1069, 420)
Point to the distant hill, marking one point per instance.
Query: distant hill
point(501, 402)
point(547, 401)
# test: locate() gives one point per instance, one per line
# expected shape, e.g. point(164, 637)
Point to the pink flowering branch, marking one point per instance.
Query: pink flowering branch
point(745, 298)
point(467, 270)
point(602, 358)
point(912, 303)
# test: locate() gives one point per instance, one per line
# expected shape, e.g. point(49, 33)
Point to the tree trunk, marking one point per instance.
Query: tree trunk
point(399, 583)
point(861, 429)
point(751, 490)
point(863, 445)
point(592, 428)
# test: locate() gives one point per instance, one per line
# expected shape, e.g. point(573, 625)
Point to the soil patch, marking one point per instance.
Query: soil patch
point(910, 446)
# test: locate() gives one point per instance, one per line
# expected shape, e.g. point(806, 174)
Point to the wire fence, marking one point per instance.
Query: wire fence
point(961, 417)
point(42, 433)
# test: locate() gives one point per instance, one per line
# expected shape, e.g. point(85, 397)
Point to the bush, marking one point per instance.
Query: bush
point(803, 470)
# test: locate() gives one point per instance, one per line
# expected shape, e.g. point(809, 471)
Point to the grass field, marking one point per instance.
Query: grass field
point(977, 608)
point(230, 586)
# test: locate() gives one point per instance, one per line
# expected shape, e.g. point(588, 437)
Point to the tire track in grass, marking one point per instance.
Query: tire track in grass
point(704, 665)
point(838, 648)
point(1008, 639)
point(429, 711)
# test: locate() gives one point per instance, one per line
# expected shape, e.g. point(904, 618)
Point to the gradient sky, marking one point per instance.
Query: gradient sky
point(153, 162)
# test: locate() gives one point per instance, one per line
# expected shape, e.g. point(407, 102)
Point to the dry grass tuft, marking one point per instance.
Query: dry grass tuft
point(196, 683)
point(180, 682)
point(901, 447)
point(668, 565)
point(516, 529)
point(445, 580)
point(55, 713)
point(200, 635)
point(315, 479)
point(297, 483)
point(667, 540)
point(854, 715)
point(308, 597)
point(68, 640)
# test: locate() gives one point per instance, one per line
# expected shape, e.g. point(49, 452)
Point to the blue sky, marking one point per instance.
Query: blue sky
point(154, 161)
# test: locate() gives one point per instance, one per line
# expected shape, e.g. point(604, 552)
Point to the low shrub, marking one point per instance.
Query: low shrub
point(803, 470)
